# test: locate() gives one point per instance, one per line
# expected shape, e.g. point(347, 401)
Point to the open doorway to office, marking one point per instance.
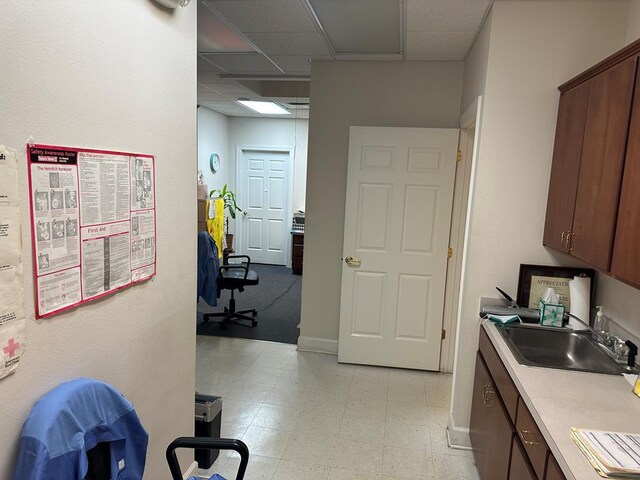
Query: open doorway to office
point(266, 170)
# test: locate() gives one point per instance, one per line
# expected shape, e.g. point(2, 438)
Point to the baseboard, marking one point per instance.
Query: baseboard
point(458, 437)
point(191, 471)
point(320, 345)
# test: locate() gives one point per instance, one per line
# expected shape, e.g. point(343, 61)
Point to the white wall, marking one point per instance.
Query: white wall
point(633, 25)
point(110, 75)
point(475, 66)
point(213, 136)
point(274, 132)
point(534, 47)
point(343, 93)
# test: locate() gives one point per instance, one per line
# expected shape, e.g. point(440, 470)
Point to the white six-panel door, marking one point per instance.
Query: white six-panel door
point(397, 220)
point(265, 197)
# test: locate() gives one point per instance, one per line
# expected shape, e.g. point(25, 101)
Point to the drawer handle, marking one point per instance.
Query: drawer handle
point(563, 239)
point(527, 433)
point(486, 391)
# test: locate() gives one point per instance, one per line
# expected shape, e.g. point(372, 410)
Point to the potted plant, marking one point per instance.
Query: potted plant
point(229, 204)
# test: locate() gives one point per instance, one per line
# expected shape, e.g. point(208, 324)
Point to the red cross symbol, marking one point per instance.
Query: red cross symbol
point(11, 347)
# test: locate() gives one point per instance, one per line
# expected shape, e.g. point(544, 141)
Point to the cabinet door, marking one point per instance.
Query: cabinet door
point(603, 149)
point(625, 263)
point(553, 470)
point(520, 468)
point(567, 150)
point(490, 429)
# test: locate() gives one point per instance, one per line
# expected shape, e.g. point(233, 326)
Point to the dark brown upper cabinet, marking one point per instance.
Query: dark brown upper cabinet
point(625, 263)
point(593, 207)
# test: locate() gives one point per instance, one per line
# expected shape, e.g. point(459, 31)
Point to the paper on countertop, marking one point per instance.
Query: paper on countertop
point(630, 377)
point(8, 178)
point(611, 453)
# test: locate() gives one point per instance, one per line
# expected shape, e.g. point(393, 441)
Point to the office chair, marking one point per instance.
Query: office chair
point(235, 276)
point(231, 276)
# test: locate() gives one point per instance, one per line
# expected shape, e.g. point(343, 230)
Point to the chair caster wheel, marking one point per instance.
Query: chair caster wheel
point(254, 323)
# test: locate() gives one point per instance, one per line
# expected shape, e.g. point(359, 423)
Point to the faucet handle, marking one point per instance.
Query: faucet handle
point(633, 351)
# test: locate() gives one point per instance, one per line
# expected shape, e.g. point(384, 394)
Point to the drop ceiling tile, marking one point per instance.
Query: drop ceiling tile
point(229, 89)
point(283, 43)
point(266, 15)
point(211, 96)
point(438, 45)
point(445, 15)
point(292, 63)
point(250, 63)
point(209, 76)
point(206, 66)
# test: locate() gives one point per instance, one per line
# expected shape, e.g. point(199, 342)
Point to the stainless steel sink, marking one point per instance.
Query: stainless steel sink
point(558, 348)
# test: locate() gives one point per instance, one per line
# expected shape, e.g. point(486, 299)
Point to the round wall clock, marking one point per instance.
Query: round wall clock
point(214, 162)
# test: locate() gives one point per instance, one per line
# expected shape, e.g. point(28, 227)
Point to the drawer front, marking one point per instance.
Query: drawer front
point(532, 439)
point(298, 239)
point(297, 250)
point(500, 376)
point(553, 470)
point(520, 469)
point(296, 265)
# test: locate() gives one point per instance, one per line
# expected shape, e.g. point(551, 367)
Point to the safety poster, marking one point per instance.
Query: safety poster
point(93, 220)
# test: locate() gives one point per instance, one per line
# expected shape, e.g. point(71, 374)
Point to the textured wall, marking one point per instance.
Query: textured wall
point(110, 75)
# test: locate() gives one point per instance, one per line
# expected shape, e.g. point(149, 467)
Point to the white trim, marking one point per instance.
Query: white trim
point(477, 106)
point(191, 471)
point(240, 149)
point(319, 345)
point(466, 146)
point(457, 437)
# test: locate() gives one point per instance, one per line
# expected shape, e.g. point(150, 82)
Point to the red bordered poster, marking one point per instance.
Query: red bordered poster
point(93, 223)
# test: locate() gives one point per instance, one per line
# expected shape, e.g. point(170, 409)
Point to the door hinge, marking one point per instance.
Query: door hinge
point(459, 156)
point(449, 252)
point(444, 334)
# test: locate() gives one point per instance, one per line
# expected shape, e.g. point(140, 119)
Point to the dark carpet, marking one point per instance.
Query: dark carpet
point(277, 299)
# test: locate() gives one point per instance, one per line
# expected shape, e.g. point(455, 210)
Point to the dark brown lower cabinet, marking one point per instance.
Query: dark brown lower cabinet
point(505, 446)
point(520, 468)
point(491, 429)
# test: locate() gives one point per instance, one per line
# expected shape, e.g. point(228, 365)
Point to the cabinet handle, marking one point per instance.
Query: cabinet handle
point(570, 241)
point(528, 433)
point(486, 391)
point(563, 239)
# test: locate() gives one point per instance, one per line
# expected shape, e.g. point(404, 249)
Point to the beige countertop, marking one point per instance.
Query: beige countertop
point(561, 399)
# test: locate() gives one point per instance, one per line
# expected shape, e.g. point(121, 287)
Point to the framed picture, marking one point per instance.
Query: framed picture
point(534, 279)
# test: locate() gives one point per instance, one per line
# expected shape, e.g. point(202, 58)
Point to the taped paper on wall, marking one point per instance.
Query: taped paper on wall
point(10, 239)
point(8, 178)
point(12, 345)
point(93, 223)
point(11, 299)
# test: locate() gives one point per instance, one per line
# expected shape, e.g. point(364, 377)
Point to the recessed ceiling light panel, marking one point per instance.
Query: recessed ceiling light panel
point(265, 108)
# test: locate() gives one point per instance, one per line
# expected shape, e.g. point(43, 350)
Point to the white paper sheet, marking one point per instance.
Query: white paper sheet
point(8, 178)
point(12, 345)
point(10, 238)
point(11, 298)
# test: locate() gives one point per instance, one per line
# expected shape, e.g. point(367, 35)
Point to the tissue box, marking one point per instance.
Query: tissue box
point(551, 314)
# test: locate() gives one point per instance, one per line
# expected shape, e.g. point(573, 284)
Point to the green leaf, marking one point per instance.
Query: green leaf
point(232, 212)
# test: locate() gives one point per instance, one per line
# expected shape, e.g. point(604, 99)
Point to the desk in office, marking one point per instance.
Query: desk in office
point(297, 252)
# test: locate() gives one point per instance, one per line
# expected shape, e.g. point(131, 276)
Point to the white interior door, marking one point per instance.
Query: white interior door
point(397, 219)
point(265, 197)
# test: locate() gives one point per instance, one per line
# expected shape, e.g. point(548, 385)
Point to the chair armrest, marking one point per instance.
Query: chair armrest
point(234, 267)
point(246, 257)
point(206, 442)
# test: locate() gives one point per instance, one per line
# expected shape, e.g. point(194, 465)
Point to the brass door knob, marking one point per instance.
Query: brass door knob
point(352, 262)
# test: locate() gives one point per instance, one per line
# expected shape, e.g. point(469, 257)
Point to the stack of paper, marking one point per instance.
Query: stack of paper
point(612, 454)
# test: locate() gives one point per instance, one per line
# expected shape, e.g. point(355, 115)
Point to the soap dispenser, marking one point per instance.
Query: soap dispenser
point(599, 325)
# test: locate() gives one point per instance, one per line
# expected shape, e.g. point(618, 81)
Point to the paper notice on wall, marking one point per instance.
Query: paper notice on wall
point(105, 258)
point(10, 239)
point(58, 290)
point(142, 183)
point(11, 299)
point(93, 223)
point(8, 178)
point(12, 346)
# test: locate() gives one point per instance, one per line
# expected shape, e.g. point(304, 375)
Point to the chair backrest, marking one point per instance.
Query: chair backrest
point(73, 419)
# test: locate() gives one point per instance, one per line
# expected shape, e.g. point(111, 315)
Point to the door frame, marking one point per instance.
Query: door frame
point(462, 195)
point(238, 224)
